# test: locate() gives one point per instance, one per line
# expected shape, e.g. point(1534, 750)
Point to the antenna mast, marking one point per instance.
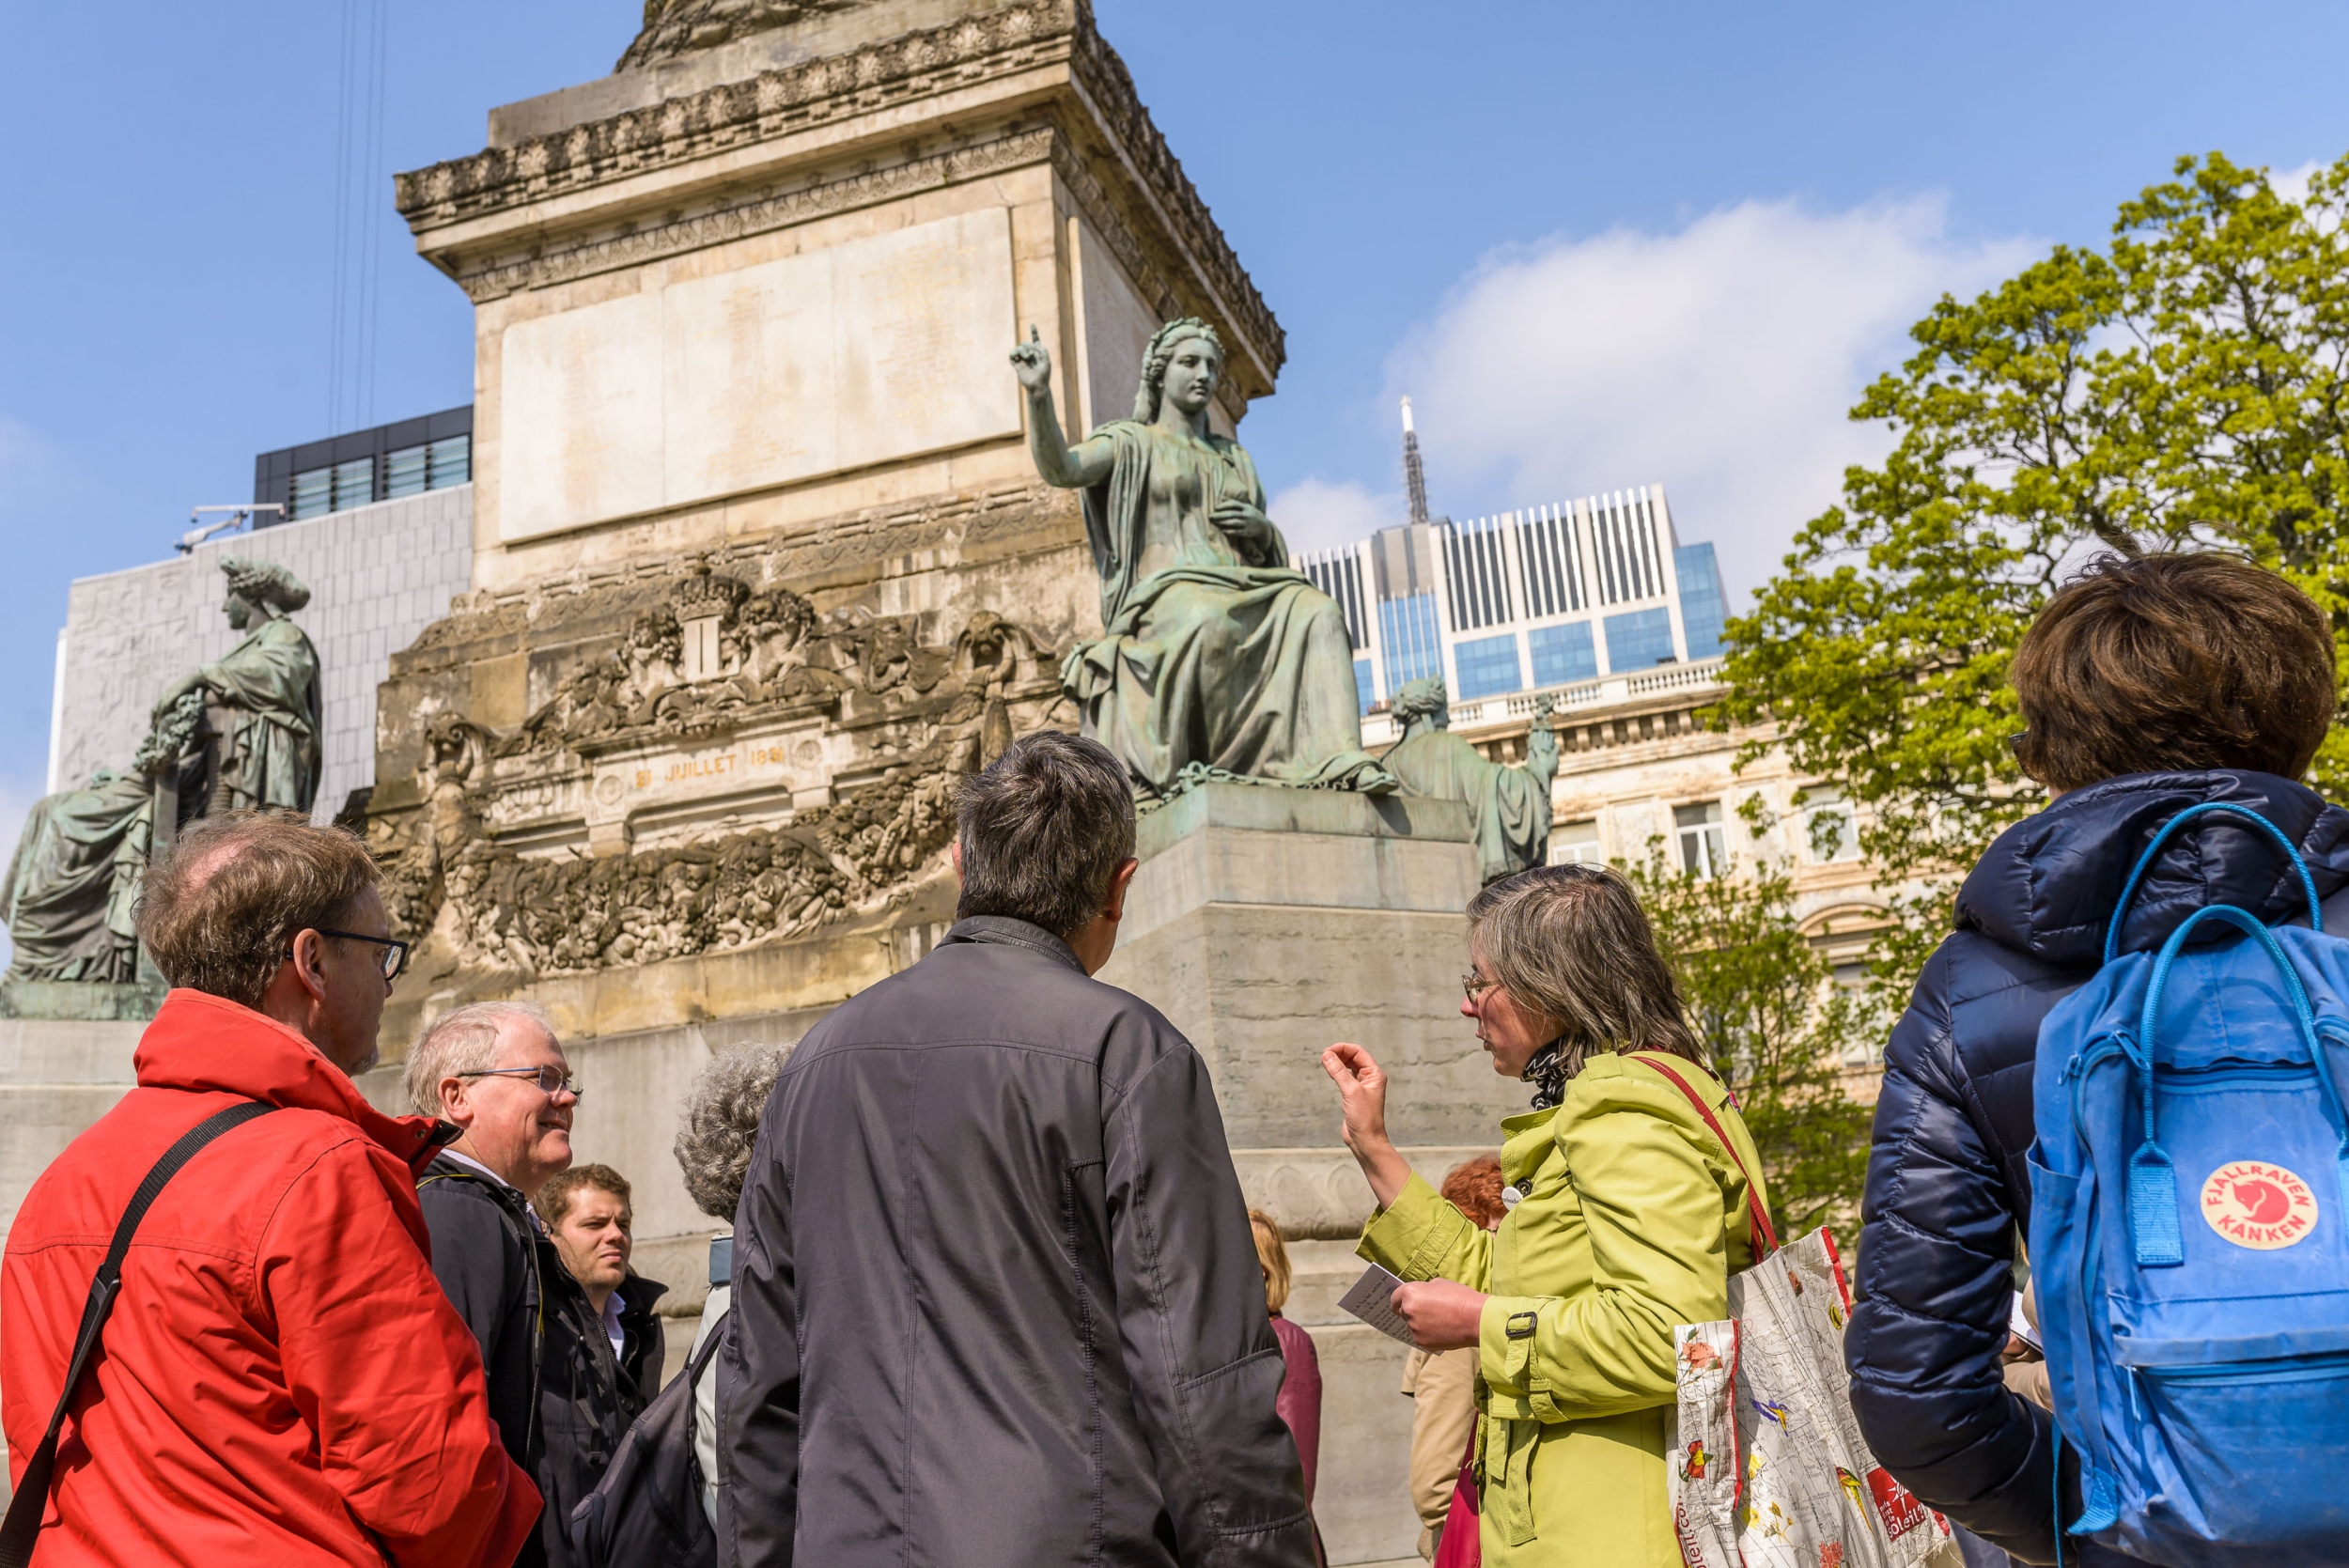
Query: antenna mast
point(1414, 475)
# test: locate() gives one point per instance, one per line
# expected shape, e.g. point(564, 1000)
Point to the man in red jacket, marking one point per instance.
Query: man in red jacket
point(282, 1379)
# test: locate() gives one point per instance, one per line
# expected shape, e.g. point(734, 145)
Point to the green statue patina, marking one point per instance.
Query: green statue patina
point(1217, 658)
point(1508, 807)
point(241, 732)
point(261, 699)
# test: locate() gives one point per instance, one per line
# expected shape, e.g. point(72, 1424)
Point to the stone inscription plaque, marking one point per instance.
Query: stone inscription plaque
point(792, 761)
point(879, 349)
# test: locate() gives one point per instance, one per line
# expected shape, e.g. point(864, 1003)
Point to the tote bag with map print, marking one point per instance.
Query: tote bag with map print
point(1767, 1466)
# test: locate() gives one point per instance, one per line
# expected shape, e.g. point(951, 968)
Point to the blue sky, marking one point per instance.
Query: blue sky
point(1600, 245)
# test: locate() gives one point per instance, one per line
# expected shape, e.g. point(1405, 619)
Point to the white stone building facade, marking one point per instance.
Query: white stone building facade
point(378, 575)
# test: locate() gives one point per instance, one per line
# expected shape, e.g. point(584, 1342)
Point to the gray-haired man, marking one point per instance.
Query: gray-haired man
point(996, 1301)
point(497, 1073)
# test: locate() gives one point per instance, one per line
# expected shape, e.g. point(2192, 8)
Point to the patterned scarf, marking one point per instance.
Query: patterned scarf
point(1548, 1073)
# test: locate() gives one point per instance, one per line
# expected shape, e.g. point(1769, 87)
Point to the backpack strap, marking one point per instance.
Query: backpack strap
point(2145, 862)
point(1760, 1226)
point(699, 1360)
point(32, 1491)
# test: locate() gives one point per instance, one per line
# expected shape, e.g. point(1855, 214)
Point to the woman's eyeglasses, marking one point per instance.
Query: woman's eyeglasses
point(551, 1080)
point(1474, 988)
point(394, 952)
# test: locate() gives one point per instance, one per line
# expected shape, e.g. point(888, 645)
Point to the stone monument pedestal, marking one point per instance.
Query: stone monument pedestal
point(1266, 924)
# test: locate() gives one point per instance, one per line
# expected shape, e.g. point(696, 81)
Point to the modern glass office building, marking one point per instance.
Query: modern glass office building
point(1547, 598)
point(430, 452)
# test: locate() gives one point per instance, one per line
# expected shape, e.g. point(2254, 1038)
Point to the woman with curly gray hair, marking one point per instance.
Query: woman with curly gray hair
point(713, 1149)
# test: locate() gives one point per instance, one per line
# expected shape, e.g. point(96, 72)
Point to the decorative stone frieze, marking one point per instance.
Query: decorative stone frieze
point(657, 807)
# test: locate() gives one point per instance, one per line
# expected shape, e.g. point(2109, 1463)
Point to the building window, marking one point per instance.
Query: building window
point(1474, 563)
point(1575, 843)
point(1363, 695)
point(1552, 566)
point(1562, 653)
point(1831, 832)
point(1703, 608)
point(1638, 639)
point(1622, 529)
point(404, 473)
point(1406, 632)
point(313, 494)
point(1488, 666)
point(449, 462)
point(1701, 850)
point(354, 484)
point(429, 466)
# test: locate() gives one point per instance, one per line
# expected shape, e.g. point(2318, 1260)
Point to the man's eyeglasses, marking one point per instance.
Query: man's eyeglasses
point(551, 1080)
point(394, 952)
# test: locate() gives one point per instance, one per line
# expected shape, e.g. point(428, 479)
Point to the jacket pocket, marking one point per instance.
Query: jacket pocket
point(1505, 1469)
point(2059, 1240)
point(2218, 1432)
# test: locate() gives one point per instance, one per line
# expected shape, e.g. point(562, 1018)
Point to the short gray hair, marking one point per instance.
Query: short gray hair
point(720, 1123)
point(1571, 944)
point(1042, 829)
point(462, 1040)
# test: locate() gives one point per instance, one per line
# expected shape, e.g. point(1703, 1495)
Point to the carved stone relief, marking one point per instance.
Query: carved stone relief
point(675, 29)
point(738, 769)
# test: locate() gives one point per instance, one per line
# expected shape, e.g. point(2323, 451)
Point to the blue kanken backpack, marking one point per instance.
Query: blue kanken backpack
point(2189, 1189)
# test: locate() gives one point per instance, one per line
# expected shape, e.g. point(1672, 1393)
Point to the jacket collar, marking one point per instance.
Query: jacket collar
point(205, 1044)
point(1010, 931)
point(447, 1162)
point(637, 1295)
point(2048, 884)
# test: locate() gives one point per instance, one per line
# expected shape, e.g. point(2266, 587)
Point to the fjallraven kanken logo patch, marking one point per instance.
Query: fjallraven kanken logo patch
point(2253, 1204)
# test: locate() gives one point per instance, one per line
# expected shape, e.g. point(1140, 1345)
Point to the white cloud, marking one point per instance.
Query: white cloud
point(1720, 361)
point(2293, 184)
point(27, 456)
point(1316, 513)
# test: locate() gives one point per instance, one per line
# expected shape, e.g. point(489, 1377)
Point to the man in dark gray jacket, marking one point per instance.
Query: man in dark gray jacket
point(996, 1303)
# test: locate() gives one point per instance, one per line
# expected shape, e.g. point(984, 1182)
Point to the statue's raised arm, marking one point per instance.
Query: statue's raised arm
point(1217, 657)
point(1071, 468)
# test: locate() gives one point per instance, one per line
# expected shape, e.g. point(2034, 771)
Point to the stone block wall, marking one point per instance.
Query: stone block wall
point(377, 575)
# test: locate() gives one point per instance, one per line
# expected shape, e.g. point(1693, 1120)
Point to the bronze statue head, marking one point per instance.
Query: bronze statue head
point(1161, 352)
point(1422, 700)
point(262, 587)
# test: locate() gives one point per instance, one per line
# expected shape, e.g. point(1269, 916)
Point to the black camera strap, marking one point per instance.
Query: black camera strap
point(32, 1493)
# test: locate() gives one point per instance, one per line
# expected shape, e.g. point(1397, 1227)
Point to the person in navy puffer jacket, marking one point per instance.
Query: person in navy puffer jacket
point(2146, 686)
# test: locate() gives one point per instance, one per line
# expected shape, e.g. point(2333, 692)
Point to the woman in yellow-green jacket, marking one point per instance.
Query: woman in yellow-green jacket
point(1628, 1215)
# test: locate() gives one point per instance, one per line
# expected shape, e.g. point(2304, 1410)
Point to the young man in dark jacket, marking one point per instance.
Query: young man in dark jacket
point(495, 1071)
point(589, 1212)
point(2146, 687)
point(996, 1301)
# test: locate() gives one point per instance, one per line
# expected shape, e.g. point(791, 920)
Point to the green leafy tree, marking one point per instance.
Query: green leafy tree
point(1776, 1028)
point(2186, 387)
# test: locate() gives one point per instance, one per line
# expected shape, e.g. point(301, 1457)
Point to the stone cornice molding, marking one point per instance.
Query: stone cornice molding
point(1016, 39)
point(1103, 74)
point(756, 214)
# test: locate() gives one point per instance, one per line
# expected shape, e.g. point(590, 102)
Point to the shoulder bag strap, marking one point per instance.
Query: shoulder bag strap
point(32, 1492)
point(1762, 1226)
